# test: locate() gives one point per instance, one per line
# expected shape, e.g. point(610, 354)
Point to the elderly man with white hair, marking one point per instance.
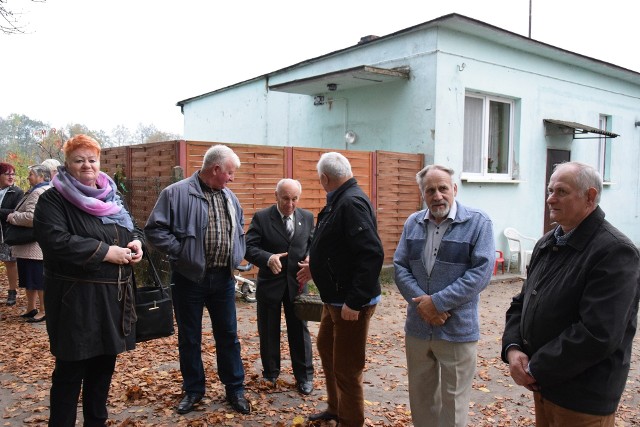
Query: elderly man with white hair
point(345, 259)
point(569, 332)
point(277, 240)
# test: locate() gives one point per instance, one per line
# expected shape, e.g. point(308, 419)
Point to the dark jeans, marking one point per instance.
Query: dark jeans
point(300, 349)
point(341, 344)
point(217, 293)
point(94, 377)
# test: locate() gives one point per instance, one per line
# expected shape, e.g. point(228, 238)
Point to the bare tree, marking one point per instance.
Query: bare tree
point(9, 22)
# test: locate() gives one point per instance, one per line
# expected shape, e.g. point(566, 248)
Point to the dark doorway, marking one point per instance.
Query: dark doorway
point(554, 157)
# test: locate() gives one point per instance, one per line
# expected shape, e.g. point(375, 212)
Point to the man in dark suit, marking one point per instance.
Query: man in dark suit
point(277, 240)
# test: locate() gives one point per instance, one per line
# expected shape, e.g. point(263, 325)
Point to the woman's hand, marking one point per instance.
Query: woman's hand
point(136, 251)
point(118, 255)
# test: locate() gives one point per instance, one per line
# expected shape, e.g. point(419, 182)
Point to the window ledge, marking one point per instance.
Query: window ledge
point(607, 183)
point(490, 180)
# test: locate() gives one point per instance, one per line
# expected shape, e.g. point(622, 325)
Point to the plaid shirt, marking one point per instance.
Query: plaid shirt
point(217, 241)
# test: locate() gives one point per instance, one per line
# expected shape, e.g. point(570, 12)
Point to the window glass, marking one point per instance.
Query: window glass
point(472, 155)
point(487, 135)
point(604, 149)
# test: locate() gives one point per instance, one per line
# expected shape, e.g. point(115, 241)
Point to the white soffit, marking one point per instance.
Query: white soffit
point(350, 78)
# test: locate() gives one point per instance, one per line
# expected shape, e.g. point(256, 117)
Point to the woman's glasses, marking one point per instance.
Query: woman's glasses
point(9, 174)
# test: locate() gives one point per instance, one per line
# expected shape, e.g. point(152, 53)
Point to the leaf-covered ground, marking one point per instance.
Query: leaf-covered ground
point(146, 385)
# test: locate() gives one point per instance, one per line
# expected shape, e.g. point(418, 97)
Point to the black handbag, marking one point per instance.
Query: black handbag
point(154, 308)
point(16, 235)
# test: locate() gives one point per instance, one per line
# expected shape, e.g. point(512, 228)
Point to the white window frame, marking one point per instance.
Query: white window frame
point(485, 174)
point(604, 148)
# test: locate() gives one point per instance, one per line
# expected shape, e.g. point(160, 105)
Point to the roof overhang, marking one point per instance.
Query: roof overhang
point(565, 128)
point(350, 78)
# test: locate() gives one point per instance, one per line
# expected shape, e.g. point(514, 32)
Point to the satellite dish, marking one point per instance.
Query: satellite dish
point(350, 137)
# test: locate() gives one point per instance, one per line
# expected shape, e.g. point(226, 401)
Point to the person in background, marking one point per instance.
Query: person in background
point(277, 240)
point(199, 223)
point(29, 255)
point(89, 243)
point(443, 261)
point(345, 259)
point(10, 195)
point(569, 332)
point(52, 165)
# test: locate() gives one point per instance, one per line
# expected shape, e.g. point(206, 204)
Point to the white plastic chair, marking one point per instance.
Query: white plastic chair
point(517, 249)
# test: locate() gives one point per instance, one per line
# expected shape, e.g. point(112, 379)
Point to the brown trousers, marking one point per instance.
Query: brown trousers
point(549, 414)
point(341, 344)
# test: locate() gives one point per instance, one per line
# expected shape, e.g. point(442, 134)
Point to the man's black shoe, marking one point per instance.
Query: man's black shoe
point(239, 403)
point(188, 402)
point(271, 380)
point(323, 416)
point(305, 387)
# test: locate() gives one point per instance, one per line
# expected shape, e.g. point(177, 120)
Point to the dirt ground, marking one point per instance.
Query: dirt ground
point(146, 386)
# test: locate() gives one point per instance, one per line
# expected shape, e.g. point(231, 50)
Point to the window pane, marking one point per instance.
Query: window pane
point(604, 155)
point(499, 120)
point(472, 155)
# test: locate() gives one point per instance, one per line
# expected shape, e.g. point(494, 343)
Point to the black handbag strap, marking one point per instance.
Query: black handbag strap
point(154, 271)
point(155, 276)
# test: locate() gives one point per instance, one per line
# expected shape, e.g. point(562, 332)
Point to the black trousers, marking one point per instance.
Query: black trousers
point(300, 349)
point(93, 376)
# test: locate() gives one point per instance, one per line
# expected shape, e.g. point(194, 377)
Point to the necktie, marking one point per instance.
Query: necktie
point(288, 224)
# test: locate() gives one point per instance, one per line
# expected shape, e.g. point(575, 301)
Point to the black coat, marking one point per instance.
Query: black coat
point(576, 316)
point(267, 236)
point(346, 253)
point(9, 202)
point(88, 302)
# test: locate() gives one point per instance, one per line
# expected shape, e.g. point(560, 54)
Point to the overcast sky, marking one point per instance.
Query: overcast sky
point(106, 63)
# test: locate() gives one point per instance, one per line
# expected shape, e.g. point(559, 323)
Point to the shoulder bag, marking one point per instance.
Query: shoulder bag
point(16, 235)
point(154, 308)
point(308, 307)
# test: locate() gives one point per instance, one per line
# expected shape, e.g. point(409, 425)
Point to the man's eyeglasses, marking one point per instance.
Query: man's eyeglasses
point(9, 174)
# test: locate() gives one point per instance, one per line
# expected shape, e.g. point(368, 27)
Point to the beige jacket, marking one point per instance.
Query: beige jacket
point(23, 216)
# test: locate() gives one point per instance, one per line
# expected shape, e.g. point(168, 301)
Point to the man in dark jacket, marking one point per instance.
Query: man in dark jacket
point(277, 240)
point(345, 259)
point(568, 334)
point(198, 222)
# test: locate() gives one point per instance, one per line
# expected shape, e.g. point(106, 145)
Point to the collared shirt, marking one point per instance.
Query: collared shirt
point(292, 216)
point(561, 236)
point(435, 232)
point(217, 241)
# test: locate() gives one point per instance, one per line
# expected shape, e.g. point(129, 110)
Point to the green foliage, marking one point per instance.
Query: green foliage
point(387, 275)
point(33, 141)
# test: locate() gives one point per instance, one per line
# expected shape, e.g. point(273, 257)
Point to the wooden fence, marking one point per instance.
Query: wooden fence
point(388, 178)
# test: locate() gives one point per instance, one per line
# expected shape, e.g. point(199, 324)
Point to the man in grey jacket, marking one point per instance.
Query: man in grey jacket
point(443, 261)
point(199, 224)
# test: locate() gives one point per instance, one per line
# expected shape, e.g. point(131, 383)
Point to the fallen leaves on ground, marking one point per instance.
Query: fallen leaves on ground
point(146, 386)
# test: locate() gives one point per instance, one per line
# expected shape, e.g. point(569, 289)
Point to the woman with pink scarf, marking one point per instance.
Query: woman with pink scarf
point(89, 244)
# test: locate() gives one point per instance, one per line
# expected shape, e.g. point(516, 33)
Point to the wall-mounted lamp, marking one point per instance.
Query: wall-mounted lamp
point(332, 87)
point(350, 137)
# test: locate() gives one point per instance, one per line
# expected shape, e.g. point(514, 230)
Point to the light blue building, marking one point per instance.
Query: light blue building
point(497, 107)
